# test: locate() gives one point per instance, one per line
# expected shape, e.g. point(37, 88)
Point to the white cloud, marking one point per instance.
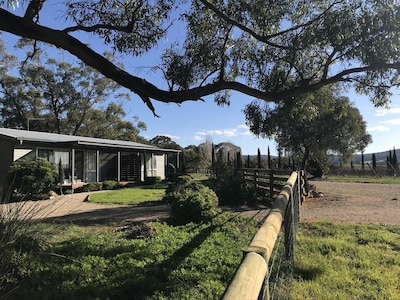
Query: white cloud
point(243, 126)
point(240, 130)
point(378, 128)
point(384, 112)
point(217, 132)
point(198, 138)
point(395, 122)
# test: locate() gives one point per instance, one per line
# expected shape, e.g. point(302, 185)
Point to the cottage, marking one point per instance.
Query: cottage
point(84, 159)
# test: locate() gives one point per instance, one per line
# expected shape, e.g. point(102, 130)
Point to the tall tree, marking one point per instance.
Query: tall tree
point(61, 98)
point(163, 141)
point(312, 125)
point(394, 158)
point(259, 165)
point(362, 161)
point(206, 150)
point(269, 159)
point(279, 158)
point(268, 50)
point(374, 161)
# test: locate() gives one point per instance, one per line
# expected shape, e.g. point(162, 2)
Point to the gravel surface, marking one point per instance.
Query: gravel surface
point(353, 203)
point(339, 203)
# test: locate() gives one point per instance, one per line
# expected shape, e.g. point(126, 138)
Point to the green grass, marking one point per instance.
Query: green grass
point(346, 262)
point(155, 261)
point(378, 180)
point(128, 196)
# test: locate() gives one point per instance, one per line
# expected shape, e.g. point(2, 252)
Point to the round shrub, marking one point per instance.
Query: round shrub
point(33, 177)
point(191, 201)
point(110, 185)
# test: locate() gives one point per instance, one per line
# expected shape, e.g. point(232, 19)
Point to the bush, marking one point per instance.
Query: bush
point(151, 180)
point(191, 201)
point(33, 177)
point(232, 189)
point(110, 185)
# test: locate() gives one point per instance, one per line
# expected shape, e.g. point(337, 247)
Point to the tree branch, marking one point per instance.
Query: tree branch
point(127, 29)
point(266, 38)
point(33, 9)
point(229, 20)
point(145, 90)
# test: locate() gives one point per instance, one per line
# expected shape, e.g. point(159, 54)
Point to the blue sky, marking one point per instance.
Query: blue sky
point(192, 122)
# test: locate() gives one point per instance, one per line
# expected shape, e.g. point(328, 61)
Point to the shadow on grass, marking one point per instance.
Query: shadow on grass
point(96, 273)
point(308, 273)
point(115, 216)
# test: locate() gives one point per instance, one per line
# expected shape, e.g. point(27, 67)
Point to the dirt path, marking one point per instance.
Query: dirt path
point(354, 203)
point(340, 203)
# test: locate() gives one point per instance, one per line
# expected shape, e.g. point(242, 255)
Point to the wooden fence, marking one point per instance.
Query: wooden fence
point(266, 179)
point(250, 278)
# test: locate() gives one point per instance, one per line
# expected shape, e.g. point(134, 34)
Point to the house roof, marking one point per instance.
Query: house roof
point(44, 137)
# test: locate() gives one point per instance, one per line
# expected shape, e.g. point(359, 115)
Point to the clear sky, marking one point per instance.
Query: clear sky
point(192, 122)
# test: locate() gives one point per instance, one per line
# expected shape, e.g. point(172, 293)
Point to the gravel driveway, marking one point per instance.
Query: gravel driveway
point(340, 203)
point(354, 203)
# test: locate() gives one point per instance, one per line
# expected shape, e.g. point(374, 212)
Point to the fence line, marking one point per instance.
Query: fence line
point(271, 179)
point(252, 277)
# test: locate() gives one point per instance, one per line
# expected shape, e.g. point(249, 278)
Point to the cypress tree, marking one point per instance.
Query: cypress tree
point(362, 160)
point(212, 158)
point(279, 159)
point(269, 159)
point(248, 161)
point(374, 161)
point(258, 158)
point(238, 160)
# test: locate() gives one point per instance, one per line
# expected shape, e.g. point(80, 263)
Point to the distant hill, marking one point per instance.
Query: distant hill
point(380, 156)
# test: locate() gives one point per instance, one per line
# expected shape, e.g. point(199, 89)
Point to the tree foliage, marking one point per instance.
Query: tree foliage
point(311, 125)
point(59, 97)
point(163, 141)
point(269, 50)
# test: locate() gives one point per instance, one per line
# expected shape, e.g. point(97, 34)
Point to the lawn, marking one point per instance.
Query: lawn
point(146, 261)
point(378, 180)
point(346, 262)
point(128, 196)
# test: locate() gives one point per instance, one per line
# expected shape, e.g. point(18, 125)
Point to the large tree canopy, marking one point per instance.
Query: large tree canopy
point(311, 126)
point(58, 97)
point(270, 50)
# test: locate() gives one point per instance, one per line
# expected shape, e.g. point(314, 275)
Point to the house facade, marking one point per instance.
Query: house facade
point(85, 160)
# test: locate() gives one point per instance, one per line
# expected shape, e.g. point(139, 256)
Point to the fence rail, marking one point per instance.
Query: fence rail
point(252, 277)
point(270, 180)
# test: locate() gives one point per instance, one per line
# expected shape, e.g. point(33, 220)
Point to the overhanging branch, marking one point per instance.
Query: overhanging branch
point(24, 27)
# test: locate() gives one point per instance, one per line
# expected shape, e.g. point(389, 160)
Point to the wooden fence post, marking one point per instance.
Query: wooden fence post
point(271, 184)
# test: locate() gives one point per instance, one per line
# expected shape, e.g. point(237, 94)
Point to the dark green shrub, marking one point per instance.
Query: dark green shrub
point(172, 177)
point(94, 186)
point(232, 189)
point(151, 180)
point(191, 201)
point(110, 185)
point(33, 177)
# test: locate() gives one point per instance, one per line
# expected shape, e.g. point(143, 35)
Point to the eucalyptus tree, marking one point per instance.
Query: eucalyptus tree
point(311, 126)
point(269, 50)
point(59, 97)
